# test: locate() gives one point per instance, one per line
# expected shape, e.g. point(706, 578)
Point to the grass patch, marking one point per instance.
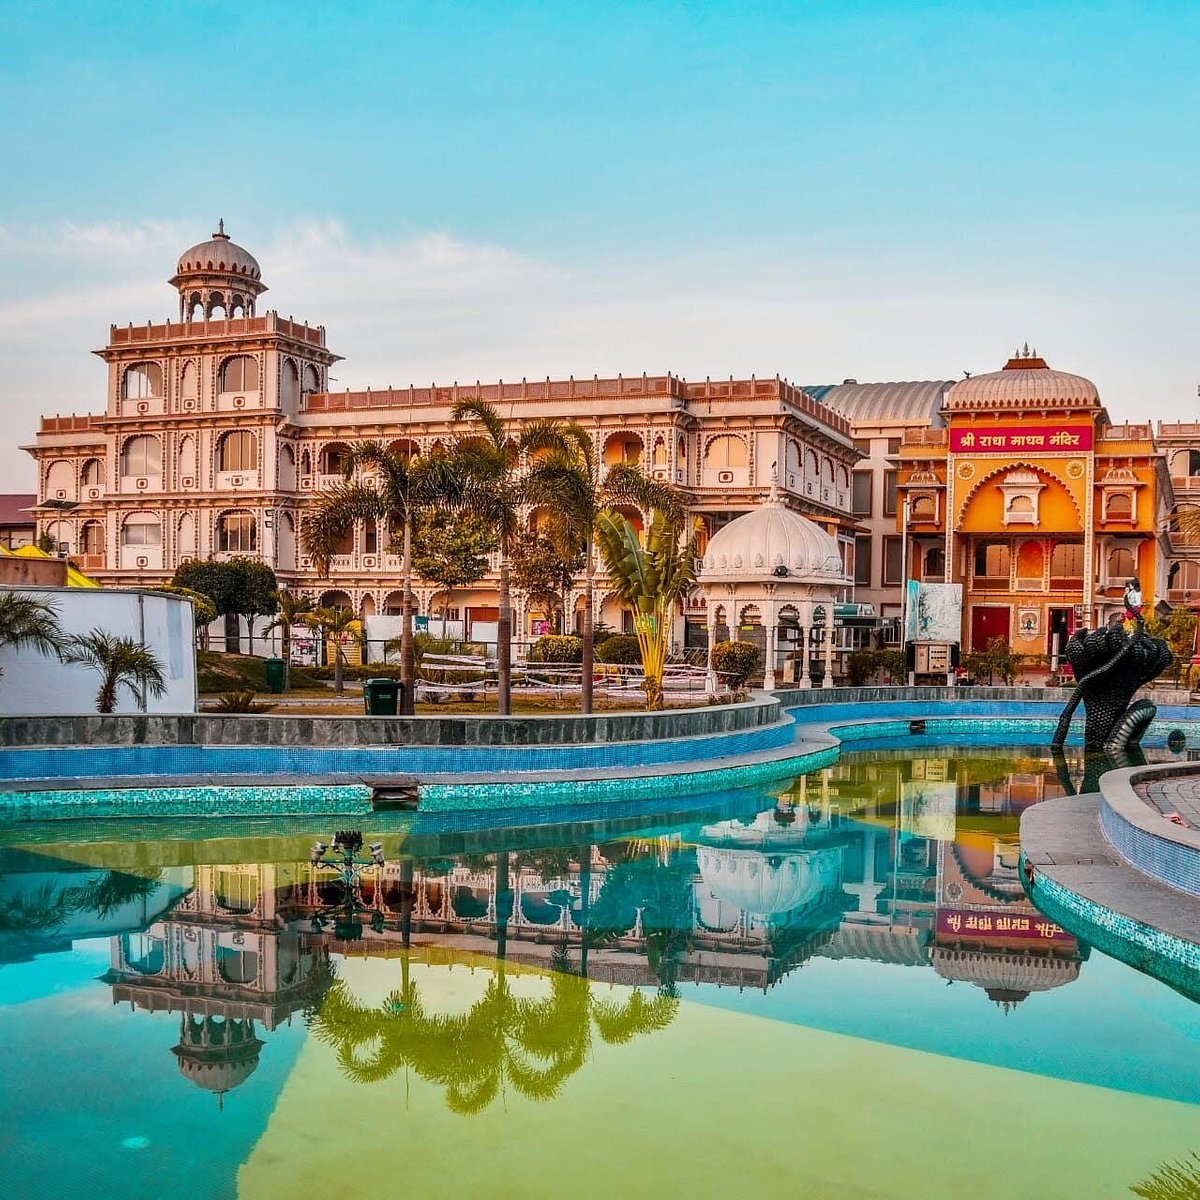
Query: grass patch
point(243, 672)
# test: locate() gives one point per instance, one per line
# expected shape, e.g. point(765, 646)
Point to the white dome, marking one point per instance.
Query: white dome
point(766, 885)
point(771, 544)
point(1025, 381)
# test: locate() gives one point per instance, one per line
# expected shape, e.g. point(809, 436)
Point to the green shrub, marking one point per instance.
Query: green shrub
point(735, 662)
point(860, 666)
point(620, 648)
point(554, 648)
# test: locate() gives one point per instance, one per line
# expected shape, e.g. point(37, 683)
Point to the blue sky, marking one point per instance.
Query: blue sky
point(819, 189)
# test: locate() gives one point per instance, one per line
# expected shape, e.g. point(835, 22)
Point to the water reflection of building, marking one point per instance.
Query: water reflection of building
point(225, 960)
point(952, 898)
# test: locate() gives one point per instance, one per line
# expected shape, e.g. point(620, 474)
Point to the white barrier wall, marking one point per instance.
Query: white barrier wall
point(32, 684)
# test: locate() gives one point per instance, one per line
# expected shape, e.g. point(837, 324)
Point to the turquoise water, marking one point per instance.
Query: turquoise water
point(834, 988)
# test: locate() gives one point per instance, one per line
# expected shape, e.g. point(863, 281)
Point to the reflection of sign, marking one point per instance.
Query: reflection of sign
point(990, 439)
point(966, 924)
point(933, 612)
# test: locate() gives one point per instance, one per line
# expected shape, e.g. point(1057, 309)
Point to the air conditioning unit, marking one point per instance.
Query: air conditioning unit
point(724, 476)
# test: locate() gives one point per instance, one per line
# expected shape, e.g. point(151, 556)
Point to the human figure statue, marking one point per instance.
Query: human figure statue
point(1133, 600)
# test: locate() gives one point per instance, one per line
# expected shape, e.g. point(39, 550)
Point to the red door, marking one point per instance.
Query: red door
point(987, 623)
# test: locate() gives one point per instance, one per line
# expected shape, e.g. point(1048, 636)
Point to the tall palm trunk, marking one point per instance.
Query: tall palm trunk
point(285, 648)
point(408, 658)
point(106, 701)
point(338, 686)
point(504, 640)
point(588, 667)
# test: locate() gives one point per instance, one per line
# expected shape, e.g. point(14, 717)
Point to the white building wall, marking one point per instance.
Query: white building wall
point(33, 685)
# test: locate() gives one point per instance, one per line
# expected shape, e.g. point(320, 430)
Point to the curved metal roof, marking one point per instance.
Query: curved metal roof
point(919, 400)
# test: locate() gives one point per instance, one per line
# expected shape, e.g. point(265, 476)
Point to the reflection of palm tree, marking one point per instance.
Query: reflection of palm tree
point(112, 890)
point(1172, 1181)
point(40, 911)
point(504, 1040)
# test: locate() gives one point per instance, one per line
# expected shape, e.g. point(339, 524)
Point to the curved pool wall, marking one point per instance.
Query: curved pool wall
point(1152, 951)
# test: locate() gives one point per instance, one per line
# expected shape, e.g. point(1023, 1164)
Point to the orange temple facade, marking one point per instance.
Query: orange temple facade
point(1037, 504)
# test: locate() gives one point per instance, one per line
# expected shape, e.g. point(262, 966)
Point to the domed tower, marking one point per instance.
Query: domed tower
point(217, 277)
point(217, 1055)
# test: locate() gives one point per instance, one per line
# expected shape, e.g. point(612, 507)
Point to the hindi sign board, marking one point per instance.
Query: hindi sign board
point(1020, 439)
point(967, 923)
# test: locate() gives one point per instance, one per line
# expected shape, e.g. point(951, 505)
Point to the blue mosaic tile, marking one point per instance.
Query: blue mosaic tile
point(1153, 951)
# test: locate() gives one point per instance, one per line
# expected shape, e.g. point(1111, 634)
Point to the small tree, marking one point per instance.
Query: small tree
point(236, 586)
point(652, 579)
point(451, 549)
point(1178, 630)
point(120, 661)
point(333, 624)
point(735, 662)
point(996, 661)
point(294, 607)
point(544, 574)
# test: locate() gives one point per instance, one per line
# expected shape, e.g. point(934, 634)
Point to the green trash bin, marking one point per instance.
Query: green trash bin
point(381, 697)
point(275, 674)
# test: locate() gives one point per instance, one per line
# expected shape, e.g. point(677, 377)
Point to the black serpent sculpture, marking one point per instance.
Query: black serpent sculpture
point(1110, 666)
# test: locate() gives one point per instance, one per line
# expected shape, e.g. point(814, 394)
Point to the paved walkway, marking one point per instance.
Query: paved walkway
point(1178, 794)
point(1062, 839)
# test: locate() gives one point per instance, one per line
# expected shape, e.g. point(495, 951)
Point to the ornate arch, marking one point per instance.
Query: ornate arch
point(1029, 466)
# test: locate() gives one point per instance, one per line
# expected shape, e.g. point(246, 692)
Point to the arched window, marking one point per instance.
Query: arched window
point(660, 452)
point(827, 470)
point(238, 374)
point(60, 477)
point(1119, 507)
point(141, 529)
point(681, 450)
point(991, 560)
point(289, 384)
point(237, 533)
point(1066, 561)
point(144, 954)
point(405, 449)
point(725, 453)
point(238, 451)
point(93, 473)
point(1121, 563)
point(810, 462)
point(142, 380)
point(843, 477)
point(305, 463)
point(141, 455)
point(312, 381)
point(237, 966)
point(934, 566)
point(189, 382)
point(924, 508)
point(91, 538)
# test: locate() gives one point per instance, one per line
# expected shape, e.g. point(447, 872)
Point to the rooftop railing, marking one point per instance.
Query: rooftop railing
point(123, 335)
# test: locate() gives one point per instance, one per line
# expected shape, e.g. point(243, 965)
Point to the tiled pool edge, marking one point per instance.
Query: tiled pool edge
point(1143, 947)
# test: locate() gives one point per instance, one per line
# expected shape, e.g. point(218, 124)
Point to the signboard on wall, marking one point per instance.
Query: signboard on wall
point(1023, 439)
point(967, 923)
point(933, 612)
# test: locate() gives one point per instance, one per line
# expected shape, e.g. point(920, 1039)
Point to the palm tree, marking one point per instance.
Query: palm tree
point(494, 489)
point(293, 608)
point(120, 660)
point(28, 621)
point(652, 579)
point(333, 624)
point(565, 479)
point(406, 488)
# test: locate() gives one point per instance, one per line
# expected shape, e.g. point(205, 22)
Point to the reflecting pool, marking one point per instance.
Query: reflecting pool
point(837, 989)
